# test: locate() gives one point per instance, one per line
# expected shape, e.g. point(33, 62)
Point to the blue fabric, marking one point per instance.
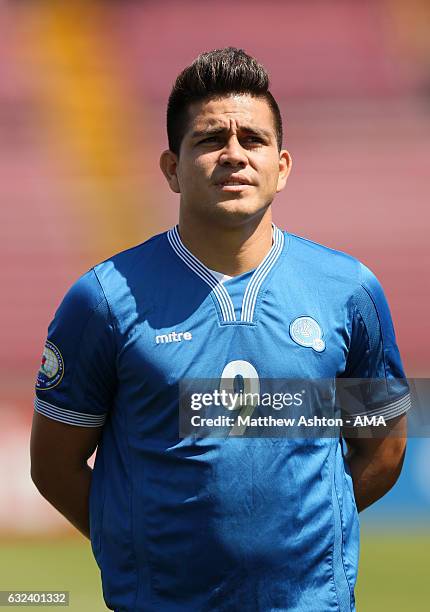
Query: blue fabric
point(184, 525)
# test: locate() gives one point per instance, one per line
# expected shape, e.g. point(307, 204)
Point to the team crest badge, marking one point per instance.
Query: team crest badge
point(51, 369)
point(307, 332)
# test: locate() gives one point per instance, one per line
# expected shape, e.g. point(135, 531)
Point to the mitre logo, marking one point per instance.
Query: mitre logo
point(173, 337)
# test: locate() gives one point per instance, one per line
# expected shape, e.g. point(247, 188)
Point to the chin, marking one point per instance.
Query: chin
point(236, 212)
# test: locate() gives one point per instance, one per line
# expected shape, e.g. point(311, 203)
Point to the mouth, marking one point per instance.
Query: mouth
point(235, 184)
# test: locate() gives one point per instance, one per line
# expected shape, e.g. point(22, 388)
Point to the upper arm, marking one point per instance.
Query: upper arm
point(76, 382)
point(57, 447)
point(374, 383)
point(385, 445)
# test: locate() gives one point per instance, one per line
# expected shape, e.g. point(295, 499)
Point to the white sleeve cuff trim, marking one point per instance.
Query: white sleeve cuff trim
point(389, 411)
point(68, 416)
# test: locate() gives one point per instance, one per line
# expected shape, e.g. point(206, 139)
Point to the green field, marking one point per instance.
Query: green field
point(394, 572)
point(64, 565)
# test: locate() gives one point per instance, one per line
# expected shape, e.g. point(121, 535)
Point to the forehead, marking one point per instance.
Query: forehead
point(246, 111)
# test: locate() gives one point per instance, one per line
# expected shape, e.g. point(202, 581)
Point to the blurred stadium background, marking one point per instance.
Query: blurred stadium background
point(83, 89)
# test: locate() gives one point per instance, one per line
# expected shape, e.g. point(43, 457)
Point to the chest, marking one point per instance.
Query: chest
point(292, 336)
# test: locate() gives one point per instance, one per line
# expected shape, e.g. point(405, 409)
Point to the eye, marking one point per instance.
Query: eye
point(252, 141)
point(209, 139)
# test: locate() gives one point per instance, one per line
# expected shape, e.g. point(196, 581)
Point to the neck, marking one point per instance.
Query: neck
point(231, 250)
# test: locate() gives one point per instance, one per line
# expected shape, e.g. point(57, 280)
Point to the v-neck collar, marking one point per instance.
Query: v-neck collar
point(219, 291)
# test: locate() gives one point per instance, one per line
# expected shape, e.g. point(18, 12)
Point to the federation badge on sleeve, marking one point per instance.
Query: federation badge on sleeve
point(51, 369)
point(307, 332)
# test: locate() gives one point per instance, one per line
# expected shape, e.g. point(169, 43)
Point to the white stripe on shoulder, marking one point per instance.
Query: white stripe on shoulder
point(68, 416)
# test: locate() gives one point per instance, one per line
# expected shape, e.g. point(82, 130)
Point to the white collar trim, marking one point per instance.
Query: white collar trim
point(220, 292)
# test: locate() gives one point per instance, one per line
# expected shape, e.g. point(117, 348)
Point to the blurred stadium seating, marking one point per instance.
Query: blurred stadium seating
point(82, 102)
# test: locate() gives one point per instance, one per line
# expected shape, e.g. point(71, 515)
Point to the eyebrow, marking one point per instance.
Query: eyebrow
point(223, 130)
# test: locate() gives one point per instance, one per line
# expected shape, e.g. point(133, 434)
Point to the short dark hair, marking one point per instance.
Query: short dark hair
point(214, 74)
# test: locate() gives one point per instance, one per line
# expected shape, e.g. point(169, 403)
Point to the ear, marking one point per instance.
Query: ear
point(168, 165)
point(285, 164)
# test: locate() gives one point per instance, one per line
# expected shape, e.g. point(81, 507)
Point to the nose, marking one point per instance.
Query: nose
point(233, 153)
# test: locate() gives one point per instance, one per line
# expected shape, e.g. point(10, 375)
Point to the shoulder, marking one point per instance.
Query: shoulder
point(82, 299)
point(90, 292)
point(332, 265)
point(134, 260)
point(339, 274)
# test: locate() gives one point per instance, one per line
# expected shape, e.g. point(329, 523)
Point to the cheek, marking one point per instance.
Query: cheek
point(270, 174)
point(191, 176)
point(199, 173)
point(203, 164)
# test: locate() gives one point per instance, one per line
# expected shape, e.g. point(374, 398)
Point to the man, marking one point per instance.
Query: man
point(234, 523)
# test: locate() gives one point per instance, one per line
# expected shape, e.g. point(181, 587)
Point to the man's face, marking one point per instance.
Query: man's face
point(229, 168)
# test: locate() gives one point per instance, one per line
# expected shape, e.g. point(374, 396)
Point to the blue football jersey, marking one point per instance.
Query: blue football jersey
point(217, 524)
